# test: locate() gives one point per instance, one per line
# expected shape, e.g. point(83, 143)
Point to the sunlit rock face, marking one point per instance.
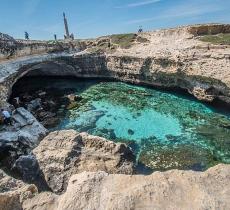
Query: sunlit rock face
point(164, 130)
point(14, 192)
point(169, 190)
point(65, 153)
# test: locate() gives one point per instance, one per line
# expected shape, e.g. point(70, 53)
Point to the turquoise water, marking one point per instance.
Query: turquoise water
point(164, 130)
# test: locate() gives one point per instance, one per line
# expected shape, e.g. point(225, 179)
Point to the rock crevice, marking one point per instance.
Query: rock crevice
point(64, 153)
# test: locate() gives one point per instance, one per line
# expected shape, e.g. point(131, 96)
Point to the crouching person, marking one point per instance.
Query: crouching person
point(6, 117)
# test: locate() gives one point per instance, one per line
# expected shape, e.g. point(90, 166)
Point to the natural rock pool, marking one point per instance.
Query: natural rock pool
point(165, 130)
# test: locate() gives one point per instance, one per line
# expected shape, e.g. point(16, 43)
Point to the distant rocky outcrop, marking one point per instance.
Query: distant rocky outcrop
point(7, 44)
point(14, 192)
point(162, 190)
point(11, 48)
point(64, 153)
point(8, 40)
point(209, 29)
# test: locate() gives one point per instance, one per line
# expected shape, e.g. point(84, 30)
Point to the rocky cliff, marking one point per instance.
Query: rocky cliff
point(65, 153)
point(169, 190)
point(173, 58)
point(11, 48)
point(14, 192)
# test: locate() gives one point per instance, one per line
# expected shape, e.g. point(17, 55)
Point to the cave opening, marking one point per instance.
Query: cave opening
point(166, 129)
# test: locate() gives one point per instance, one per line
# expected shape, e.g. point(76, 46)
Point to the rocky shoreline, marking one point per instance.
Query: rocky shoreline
point(100, 190)
point(68, 164)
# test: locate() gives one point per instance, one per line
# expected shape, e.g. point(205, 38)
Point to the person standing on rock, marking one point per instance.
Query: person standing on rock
point(7, 117)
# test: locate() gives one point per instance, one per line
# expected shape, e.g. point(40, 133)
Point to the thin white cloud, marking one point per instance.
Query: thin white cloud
point(180, 11)
point(138, 4)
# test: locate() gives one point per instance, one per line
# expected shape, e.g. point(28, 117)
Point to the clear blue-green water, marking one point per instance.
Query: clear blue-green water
point(164, 129)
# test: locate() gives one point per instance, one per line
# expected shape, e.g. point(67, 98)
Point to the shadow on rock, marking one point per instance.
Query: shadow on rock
point(27, 169)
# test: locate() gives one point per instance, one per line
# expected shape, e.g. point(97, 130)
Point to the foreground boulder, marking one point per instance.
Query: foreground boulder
point(20, 138)
point(13, 192)
point(64, 153)
point(161, 190)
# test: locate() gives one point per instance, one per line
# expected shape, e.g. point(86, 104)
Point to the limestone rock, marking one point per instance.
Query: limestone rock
point(20, 139)
point(27, 123)
point(171, 58)
point(43, 201)
point(201, 94)
point(13, 192)
point(161, 190)
point(64, 153)
point(27, 167)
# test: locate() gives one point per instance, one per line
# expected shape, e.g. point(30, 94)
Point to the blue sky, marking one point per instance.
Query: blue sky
point(92, 18)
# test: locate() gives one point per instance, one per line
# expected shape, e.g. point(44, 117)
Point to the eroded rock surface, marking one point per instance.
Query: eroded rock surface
point(64, 153)
point(20, 138)
point(169, 190)
point(13, 192)
point(171, 58)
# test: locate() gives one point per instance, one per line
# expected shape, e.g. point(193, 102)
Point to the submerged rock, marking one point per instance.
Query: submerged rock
point(169, 190)
point(186, 157)
point(73, 97)
point(13, 192)
point(90, 119)
point(175, 155)
point(64, 153)
point(130, 132)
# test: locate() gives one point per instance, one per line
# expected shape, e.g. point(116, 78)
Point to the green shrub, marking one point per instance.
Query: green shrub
point(123, 40)
point(217, 39)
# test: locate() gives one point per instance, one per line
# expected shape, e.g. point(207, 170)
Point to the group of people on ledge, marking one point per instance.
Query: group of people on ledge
point(5, 117)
